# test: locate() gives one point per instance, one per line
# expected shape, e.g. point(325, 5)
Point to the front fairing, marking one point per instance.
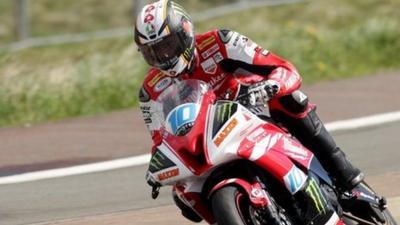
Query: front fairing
point(181, 157)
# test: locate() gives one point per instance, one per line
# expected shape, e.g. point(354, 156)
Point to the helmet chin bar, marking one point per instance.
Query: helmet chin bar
point(180, 67)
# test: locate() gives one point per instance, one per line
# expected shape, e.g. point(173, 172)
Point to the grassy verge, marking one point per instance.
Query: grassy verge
point(50, 17)
point(324, 39)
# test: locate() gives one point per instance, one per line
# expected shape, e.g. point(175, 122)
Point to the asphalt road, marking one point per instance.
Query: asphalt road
point(120, 193)
point(121, 197)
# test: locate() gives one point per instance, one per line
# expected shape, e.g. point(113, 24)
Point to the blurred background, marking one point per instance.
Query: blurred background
point(61, 59)
point(76, 58)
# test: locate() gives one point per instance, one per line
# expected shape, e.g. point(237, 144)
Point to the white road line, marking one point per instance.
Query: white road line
point(76, 170)
point(361, 122)
point(144, 159)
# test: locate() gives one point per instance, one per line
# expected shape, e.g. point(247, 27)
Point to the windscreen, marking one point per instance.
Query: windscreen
point(180, 104)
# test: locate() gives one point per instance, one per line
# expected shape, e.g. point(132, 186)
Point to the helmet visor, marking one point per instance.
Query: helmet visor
point(163, 54)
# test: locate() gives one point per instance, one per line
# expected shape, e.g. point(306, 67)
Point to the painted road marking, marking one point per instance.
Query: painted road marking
point(76, 170)
point(140, 160)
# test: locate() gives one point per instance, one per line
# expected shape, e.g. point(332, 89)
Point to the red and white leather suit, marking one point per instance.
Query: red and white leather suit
point(226, 60)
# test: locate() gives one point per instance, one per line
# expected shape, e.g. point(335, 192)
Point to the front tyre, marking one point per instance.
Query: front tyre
point(389, 218)
point(232, 207)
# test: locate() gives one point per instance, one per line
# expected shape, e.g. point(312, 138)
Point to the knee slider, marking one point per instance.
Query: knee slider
point(296, 102)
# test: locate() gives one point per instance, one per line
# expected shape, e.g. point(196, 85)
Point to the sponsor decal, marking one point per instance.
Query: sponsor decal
point(294, 150)
point(256, 135)
point(223, 112)
point(206, 42)
point(155, 79)
point(150, 29)
point(209, 66)
point(168, 174)
point(235, 42)
point(246, 117)
point(261, 51)
point(295, 179)
point(187, 53)
point(292, 80)
point(302, 96)
point(225, 35)
point(159, 161)
point(143, 95)
point(228, 129)
point(218, 57)
point(213, 49)
point(162, 84)
point(146, 113)
point(215, 80)
point(150, 8)
point(316, 195)
point(148, 17)
point(248, 42)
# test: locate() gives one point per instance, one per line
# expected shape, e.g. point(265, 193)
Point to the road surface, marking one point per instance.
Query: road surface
point(121, 196)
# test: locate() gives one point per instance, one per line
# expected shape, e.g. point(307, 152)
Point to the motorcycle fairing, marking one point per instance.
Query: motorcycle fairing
point(228, 124)
point(233, 132)
point(166, 168)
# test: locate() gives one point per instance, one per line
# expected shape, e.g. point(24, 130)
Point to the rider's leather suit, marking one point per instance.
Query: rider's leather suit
point(229, 61)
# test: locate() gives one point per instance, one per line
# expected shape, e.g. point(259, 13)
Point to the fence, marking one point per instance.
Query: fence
point(25, 40)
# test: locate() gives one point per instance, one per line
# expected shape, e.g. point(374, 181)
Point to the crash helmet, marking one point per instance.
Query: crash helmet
point(164, 35)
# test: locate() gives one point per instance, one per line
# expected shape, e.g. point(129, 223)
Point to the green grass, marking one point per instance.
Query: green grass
point(54, 17)
point(324, 39)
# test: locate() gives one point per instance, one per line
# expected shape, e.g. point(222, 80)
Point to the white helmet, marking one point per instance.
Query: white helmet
point(165, 37)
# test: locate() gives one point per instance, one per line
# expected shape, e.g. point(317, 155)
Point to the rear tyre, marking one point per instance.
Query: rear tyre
point(232, 207)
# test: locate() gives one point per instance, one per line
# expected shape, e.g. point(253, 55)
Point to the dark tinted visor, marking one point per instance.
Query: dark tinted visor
point(163, 54)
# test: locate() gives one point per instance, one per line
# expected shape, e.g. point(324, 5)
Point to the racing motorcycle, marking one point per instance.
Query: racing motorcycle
point(230, 167)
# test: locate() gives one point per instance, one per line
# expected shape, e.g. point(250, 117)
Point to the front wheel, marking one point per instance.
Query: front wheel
point(231, 206)
point(388, 217)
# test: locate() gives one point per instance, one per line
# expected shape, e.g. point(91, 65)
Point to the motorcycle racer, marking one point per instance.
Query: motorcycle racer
point(232, 64)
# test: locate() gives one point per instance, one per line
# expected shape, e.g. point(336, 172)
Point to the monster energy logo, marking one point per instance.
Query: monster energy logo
point(187, 53)
point(223, 112)
point(159, 161)
point(315, 193)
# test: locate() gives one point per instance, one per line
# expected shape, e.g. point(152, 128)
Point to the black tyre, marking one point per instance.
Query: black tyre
point(388, 217)
point(232, 207)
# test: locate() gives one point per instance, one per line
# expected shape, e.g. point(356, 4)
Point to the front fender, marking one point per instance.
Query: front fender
point(257, 195)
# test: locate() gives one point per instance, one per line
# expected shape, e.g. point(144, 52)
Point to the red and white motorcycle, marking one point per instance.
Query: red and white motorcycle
point(232, 168)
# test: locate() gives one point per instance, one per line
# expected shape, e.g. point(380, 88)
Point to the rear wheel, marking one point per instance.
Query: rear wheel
point(232, 207)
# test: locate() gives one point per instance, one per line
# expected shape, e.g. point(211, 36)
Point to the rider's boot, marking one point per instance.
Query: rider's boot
point(311, 132)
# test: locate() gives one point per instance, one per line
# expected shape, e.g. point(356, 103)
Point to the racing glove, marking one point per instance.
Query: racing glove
point(263, 91)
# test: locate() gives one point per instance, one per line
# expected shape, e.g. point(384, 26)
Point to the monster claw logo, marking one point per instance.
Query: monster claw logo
point(159, 162)
point(316, 195)
point(150, 29)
